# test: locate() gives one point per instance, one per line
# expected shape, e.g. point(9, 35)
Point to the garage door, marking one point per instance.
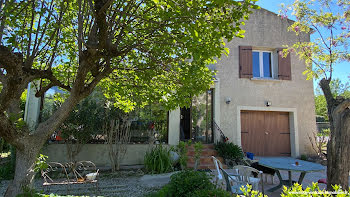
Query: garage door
point(265, 133)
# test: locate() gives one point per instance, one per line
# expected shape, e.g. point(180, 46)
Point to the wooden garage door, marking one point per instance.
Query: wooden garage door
point(265, 133)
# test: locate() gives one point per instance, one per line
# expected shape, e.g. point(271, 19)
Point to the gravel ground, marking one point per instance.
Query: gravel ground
point(117, 184)
point(134, 183)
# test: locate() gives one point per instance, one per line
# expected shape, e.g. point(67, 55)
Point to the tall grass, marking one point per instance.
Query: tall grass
point(158, 160)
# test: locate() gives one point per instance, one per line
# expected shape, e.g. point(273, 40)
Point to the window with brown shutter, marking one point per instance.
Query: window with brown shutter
point(245, 62)
point(284, 66)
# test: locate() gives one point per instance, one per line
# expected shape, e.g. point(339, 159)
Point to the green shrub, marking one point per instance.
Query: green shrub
point(211, 192)
point(190, 183)
point(7, 170)
point(164, 192)
point(182, 151)
point(303, 157)
point(158, 160)
point(187, 181)
point(313, 190)
point(229, 150)
point(28, 192)
point(198, 148)
point(297, 190)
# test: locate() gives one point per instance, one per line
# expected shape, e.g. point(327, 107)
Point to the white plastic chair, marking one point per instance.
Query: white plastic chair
point(243, 177)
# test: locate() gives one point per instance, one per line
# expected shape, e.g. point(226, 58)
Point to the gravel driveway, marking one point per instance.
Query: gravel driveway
point(109, 185)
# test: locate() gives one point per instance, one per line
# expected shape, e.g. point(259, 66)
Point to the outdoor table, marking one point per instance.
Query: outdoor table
point(289, 164)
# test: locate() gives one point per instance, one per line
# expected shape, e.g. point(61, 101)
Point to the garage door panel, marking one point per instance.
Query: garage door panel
point(250, 126)
point(265, 133)
point(284, 145)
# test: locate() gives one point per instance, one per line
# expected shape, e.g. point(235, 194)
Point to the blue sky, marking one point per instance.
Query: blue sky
point(341, 71)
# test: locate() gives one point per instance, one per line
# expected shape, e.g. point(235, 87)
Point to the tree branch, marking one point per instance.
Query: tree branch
point(45, 74)
point(342, 106)
point(9, 132)
point(324, 84)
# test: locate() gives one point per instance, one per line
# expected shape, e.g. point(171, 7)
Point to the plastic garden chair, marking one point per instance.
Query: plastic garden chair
point(243, 177)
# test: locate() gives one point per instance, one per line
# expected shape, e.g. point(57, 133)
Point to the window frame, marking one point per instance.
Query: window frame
point(261, 64)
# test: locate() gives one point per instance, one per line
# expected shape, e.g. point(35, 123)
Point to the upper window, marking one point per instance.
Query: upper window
point(266, 64)
point(262, 64)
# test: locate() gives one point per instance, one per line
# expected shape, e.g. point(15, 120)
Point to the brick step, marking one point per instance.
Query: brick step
point(205, 166)
point(191, 165)
point(204, 159)
point(205, 146)
point(207, 152)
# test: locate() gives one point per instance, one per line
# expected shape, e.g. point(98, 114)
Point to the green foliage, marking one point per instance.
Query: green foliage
point(163, 192)
point(205, 192)
point(321, 106)
point(324, 133)
point(23, 100)
point(4, 146)
point(138, 52)
point(186, 182)
point(229, 150)
point(150, 47)
point(40, 163)
point(198, 147)
point(84, 121)
point(211, 192)
point(158, 160)
point(7, 170)
point(29, 192)
point(313, 190)
point(329, 20)
point(297, 190)
point(182, 151)
point(189, 183)
point(338, 88)
point(303, 157)
point(248, 191)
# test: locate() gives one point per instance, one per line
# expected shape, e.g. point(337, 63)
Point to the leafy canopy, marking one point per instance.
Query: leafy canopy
point(141, 51)
point(329, 21)
point(338, 89)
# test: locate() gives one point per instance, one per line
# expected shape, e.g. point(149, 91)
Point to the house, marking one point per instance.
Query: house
point(259, 100)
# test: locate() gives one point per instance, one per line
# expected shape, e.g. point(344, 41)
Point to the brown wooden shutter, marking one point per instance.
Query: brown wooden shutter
point(245, 62)
point(284, 66)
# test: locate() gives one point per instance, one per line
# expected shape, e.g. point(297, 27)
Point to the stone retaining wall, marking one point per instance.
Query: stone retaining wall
point(97, 153)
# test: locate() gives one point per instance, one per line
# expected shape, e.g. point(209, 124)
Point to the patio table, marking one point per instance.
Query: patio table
point(289, 164)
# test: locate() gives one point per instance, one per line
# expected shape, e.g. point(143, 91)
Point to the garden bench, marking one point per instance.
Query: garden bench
point(70, 173)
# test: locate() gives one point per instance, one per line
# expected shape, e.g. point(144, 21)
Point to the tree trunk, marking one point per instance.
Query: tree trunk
point(24, 171)
point(338, 148)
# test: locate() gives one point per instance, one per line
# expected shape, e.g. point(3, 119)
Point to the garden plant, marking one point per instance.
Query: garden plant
point(136, 51)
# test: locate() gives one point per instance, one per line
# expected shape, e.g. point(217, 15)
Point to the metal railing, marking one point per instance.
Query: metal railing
point(222, 135)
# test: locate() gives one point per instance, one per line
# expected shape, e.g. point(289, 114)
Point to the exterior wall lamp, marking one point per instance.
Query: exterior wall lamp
point(228, 100)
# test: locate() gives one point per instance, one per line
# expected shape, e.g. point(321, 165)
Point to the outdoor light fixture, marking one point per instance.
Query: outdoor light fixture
point(228, 100)
point(268, 103)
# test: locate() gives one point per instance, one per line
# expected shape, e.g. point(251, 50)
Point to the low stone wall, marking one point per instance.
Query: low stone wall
point(97, 153)
point(322, 125)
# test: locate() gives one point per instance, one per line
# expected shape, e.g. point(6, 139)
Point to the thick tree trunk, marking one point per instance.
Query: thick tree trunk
point(338, 148)
point(24, 173)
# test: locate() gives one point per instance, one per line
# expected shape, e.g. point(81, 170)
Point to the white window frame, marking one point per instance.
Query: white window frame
point(261, 64)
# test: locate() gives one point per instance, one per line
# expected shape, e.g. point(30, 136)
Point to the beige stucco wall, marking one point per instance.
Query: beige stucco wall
point(266, 29)
point(97, 153)
point(174, 127)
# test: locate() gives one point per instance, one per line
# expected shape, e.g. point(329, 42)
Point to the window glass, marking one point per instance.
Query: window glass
point(256, 67)
point(267, 64)
point(202, 113)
